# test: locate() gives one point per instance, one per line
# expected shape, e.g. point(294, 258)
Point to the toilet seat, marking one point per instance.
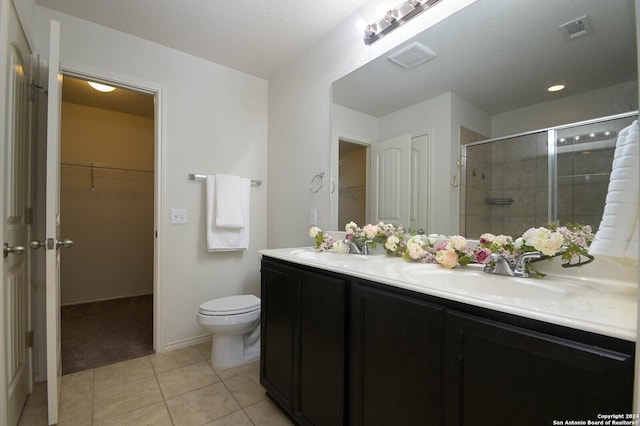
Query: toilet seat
point(231, 305)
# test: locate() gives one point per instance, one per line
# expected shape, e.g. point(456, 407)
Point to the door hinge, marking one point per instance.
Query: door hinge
point(30, 339)
point(29, 215)
point(34, 86)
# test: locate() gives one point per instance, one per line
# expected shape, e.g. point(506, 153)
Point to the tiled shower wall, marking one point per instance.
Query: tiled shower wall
point(505, 190)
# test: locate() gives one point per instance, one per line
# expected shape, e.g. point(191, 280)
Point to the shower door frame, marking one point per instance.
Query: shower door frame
point(552, 155)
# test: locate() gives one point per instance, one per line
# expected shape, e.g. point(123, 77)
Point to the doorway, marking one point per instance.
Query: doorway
point(107, 208)
point(352, 183)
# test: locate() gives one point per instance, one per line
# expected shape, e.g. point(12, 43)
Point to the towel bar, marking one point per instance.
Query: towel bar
point(193, 176)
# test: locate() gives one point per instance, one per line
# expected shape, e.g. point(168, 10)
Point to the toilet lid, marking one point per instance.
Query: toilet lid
point(231, 305)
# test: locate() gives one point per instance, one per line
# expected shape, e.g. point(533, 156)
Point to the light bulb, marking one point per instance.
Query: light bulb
point(101, 87)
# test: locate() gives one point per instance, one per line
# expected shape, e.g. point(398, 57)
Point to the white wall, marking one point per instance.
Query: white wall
point(300, 125)
point(215, 120)
point(356, 127)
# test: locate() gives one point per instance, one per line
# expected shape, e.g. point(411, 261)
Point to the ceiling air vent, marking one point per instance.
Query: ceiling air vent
point(412, 55)
point(576, 28)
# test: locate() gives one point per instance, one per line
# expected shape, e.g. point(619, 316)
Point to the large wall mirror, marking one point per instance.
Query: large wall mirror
point(482, 73)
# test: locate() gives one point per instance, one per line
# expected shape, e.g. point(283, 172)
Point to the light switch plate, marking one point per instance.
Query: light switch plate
point(179, 216)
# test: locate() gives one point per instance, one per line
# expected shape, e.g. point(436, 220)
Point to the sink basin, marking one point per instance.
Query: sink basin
point(327, 256)
point(333, 258)
point(473, 282)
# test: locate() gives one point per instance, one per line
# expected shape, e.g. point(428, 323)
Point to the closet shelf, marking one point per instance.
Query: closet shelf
point(98, 166)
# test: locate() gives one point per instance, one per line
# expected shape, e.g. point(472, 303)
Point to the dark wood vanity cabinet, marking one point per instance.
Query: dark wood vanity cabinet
point(498, 374)
point(340, 350)
point(395, 360)
point(302, 364)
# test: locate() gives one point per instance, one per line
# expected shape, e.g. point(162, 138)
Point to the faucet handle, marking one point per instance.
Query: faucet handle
point(365, 247)
point(524, 259)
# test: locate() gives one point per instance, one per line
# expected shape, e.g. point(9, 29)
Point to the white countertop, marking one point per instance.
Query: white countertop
point(595, 304)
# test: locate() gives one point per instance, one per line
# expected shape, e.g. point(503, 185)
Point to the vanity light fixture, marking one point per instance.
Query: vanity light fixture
point(395, 17)
point(101, 87)
point(588, 137)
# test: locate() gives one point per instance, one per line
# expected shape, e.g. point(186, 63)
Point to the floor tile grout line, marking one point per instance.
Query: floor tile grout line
point(237, 402)
point(164, 399)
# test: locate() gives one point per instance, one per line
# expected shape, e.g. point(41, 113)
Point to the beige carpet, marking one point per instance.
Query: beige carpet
point(101, 333)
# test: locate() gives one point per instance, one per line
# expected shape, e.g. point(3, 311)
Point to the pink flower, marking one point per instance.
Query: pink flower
point(448, 259)
point(483, 256)
point(370, 230)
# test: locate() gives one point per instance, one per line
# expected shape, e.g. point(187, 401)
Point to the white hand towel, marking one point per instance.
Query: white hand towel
point(617, 234)
point(229, 201)
point(226, 239)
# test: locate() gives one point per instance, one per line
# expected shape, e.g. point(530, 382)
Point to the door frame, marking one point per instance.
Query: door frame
point(159, 93)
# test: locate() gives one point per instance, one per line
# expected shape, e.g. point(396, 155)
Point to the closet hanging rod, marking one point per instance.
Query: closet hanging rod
point(193, 176)
point(95, 166)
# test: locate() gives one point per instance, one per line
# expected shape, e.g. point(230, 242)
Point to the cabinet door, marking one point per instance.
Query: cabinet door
point(504, 375)
point(321, 357)
point(278, 315)
point(396, 359)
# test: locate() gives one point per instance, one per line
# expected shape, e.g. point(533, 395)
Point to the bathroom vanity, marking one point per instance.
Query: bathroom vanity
point(374, 340)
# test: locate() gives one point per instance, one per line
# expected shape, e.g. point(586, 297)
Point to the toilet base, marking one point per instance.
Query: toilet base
point(230, 351)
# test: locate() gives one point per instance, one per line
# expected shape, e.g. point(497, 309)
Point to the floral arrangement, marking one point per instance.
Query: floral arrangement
point(570, 242)
point(324, 241)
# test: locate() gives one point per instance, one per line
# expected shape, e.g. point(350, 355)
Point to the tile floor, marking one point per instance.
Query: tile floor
point(172, 388)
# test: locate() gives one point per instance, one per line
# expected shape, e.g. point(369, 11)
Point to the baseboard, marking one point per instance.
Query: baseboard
point(186, 342)
point(103, 299)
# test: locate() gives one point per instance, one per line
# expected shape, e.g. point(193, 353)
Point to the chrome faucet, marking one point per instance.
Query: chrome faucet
point(353, 248)
point(501, 266)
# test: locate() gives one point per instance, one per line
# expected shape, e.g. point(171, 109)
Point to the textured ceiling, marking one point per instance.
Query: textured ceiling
point(258, 37)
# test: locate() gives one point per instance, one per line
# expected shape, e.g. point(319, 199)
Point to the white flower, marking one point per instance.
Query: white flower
point(392, 243)
point(340, 247)
point(548, 242)
point(518, 243)
point(351, 227)
point(503, 240)
point(457, 242)
point(314, 231)
point(544, 240)
point(414, 248)
point(530, 235)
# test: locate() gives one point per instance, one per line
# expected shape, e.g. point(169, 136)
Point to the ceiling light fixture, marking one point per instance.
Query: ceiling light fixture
point(555, 88)
point(101, 87)
point(395, 17)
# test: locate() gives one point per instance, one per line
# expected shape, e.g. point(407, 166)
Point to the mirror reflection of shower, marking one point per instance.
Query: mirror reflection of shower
point(558, 175)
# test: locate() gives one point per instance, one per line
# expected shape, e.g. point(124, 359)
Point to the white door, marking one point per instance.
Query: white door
point(16, 225)
point(391, 181)
point(420, 183)
point(52, 224)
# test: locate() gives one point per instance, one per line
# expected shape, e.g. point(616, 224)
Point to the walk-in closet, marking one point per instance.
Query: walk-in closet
point(107, 209)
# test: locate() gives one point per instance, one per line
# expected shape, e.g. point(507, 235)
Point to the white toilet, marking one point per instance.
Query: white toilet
point(235, 324)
